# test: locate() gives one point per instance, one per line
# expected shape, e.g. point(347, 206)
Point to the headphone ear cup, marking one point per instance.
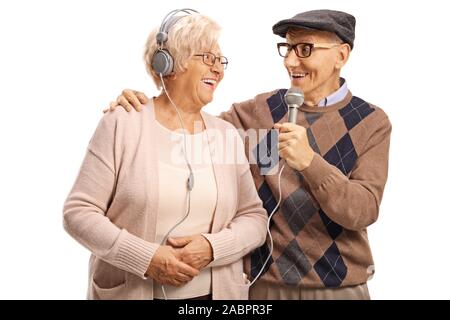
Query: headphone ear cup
point(162, 62)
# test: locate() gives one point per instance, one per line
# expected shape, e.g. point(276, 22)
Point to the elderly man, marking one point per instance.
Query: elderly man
point(337, 164)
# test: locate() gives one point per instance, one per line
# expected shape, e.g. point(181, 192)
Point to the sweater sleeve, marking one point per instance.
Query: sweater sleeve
point(85, 210)
point(247, 230)
point(353, 202)
point(232, 117)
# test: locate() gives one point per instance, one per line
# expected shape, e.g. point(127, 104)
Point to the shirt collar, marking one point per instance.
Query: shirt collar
point(336, 96)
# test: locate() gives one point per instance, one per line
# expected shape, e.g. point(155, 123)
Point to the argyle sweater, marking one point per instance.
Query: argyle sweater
point(319, 231)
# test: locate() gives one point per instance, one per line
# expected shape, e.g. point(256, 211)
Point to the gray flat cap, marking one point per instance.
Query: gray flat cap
point(338, 22)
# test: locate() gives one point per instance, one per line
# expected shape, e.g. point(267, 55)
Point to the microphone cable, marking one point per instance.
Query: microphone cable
point(268, 228)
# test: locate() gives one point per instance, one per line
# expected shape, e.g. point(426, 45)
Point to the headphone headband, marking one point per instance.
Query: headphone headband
point(169, 20)
point(162, 61)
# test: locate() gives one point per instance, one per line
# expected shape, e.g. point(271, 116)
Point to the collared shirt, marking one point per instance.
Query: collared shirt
point(336, 96)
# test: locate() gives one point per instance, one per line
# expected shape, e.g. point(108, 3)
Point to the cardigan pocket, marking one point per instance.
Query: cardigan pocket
point(241, 292)
point(118, 292)
point(240, 281)
point(108, 282)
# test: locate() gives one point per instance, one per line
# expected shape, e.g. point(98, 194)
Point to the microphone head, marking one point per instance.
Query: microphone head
point(294, 96)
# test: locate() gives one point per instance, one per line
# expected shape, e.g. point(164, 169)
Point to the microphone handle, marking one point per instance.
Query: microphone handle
point(293, 110)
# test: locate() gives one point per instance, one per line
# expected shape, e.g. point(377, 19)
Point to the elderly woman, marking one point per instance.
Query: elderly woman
point(131, 193)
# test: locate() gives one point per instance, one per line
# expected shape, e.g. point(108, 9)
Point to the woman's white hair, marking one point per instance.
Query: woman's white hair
point(190, 35)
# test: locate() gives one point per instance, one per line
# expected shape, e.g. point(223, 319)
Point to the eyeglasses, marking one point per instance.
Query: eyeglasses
point(302, 50)
point(210, 59)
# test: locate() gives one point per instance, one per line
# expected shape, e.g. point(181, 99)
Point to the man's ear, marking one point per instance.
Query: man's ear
point(343, 54)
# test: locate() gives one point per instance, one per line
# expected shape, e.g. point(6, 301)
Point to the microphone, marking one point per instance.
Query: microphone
point(294, 98)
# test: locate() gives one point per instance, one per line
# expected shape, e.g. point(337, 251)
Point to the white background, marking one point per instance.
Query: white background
point(62, 62)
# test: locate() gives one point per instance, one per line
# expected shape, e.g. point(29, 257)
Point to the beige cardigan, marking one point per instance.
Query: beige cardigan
point(111, 209)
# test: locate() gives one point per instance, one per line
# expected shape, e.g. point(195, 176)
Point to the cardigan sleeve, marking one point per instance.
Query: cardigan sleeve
point(85, 209)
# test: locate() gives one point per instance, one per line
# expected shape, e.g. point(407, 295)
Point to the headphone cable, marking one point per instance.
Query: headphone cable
point(190, 182)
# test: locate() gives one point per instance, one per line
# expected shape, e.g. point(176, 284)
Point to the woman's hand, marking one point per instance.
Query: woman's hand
point(294, 146)
point(128, 99)
point(196, 250)
point(167, 268)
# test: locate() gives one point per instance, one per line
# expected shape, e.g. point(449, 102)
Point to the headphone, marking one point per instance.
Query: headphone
point(162, 61)
point(162, 64)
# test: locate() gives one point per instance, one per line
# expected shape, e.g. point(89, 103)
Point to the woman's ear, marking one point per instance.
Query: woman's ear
point(171, 77)
point(179, 73)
